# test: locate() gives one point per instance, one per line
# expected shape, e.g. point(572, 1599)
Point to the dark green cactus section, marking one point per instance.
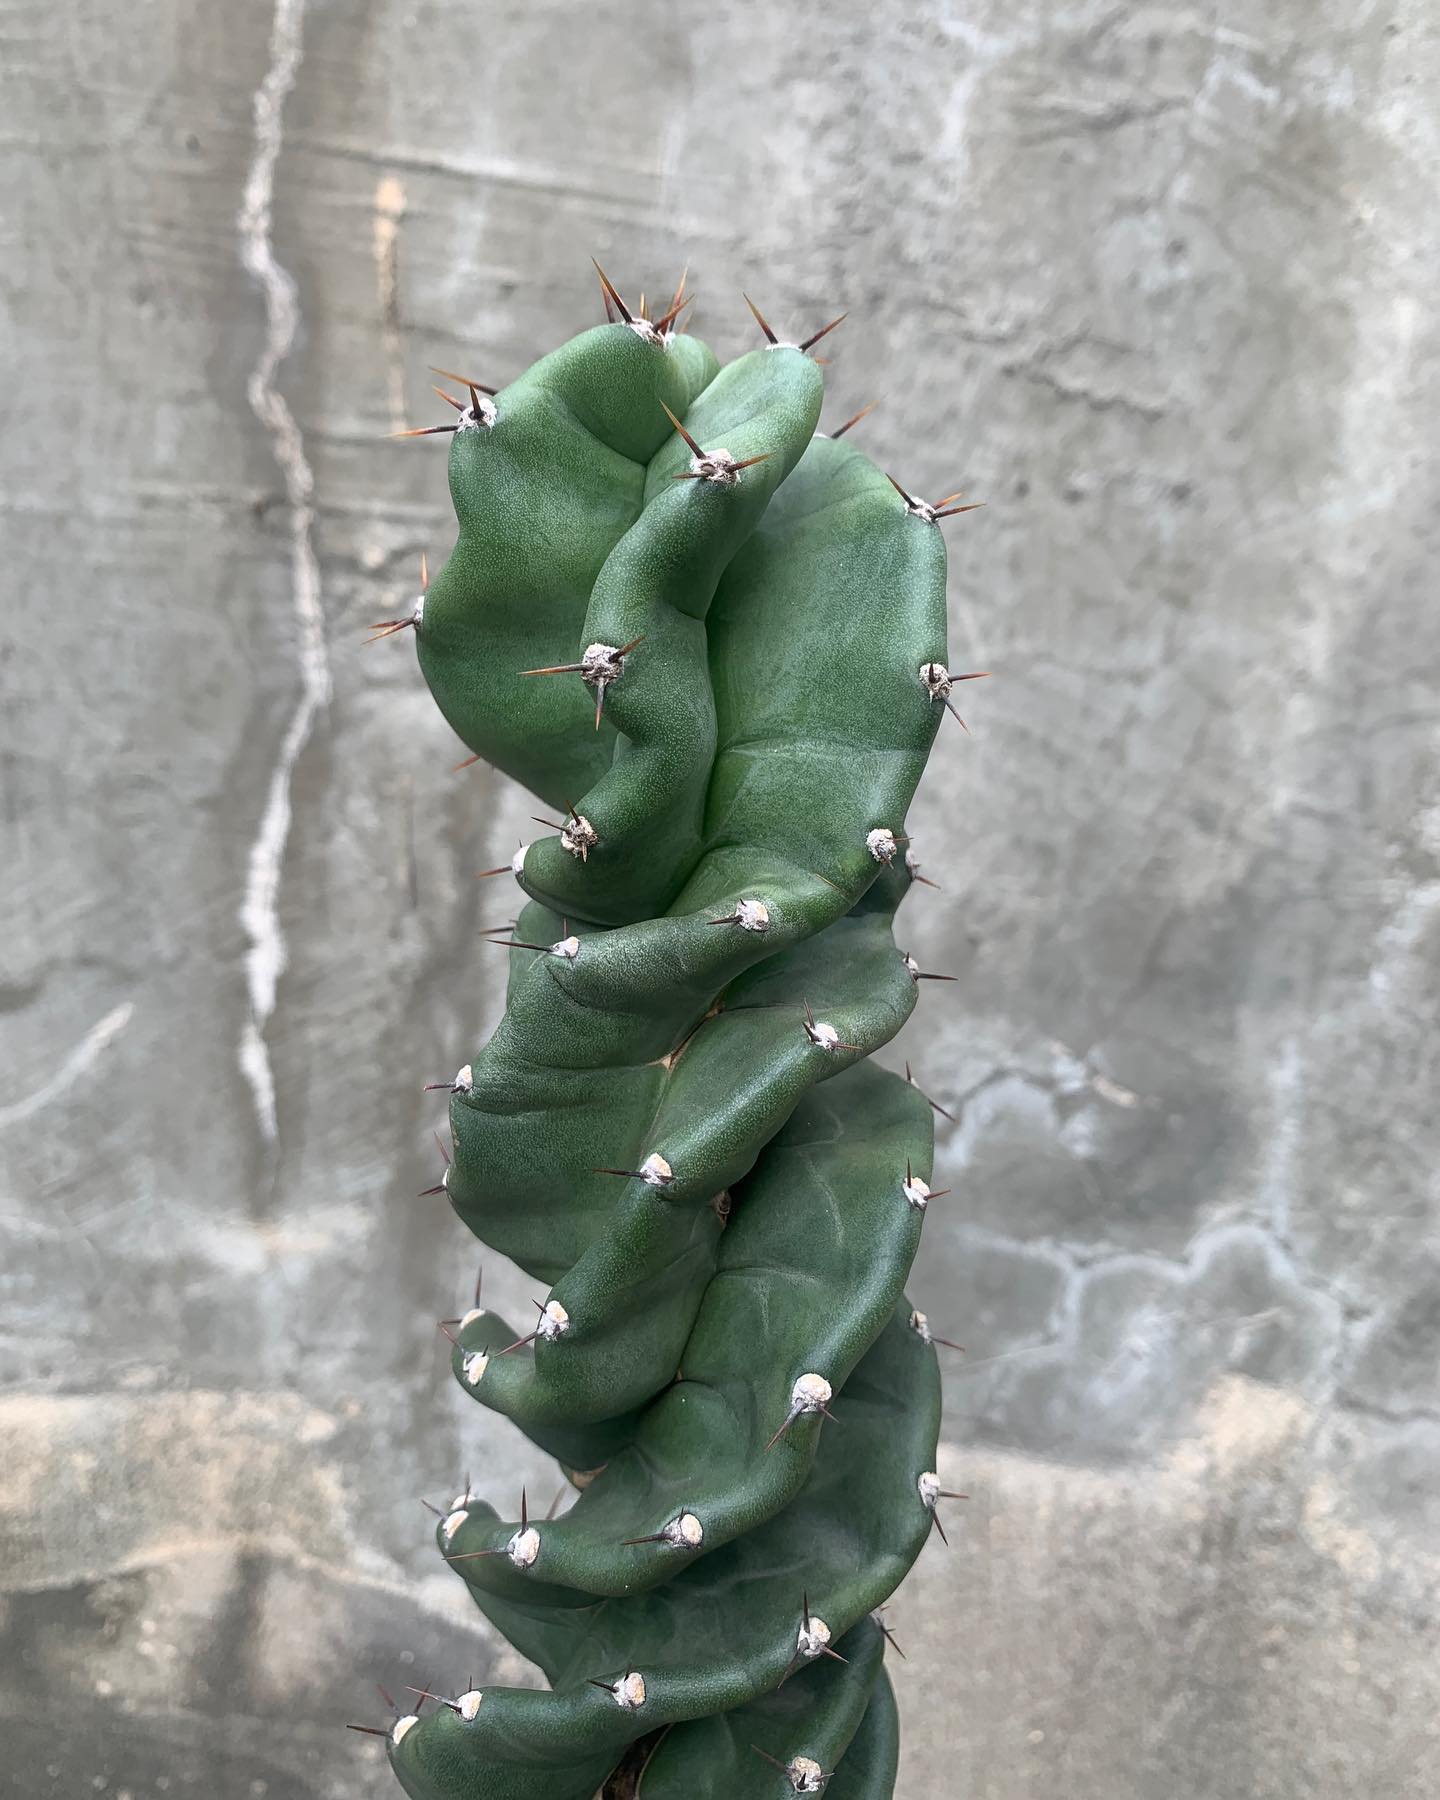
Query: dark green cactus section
point(714, 642)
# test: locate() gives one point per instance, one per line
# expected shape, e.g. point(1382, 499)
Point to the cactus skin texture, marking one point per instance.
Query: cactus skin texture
point(674, 1129)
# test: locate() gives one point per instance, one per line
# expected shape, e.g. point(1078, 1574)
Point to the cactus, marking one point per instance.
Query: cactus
point(712, 640)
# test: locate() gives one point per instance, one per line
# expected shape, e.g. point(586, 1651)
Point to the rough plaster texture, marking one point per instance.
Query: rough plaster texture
point(1156, 281)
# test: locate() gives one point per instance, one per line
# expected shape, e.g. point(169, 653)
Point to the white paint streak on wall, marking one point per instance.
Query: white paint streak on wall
point(259, 911)
point(389, 211)
point(93, 1045)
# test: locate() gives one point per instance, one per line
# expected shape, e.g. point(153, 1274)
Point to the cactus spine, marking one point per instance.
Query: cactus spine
point(712, 640)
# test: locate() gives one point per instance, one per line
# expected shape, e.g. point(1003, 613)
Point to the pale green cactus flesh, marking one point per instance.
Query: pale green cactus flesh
point(713, 642)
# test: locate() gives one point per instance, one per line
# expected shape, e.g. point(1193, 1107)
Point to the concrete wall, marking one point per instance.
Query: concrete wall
point(1154, 281)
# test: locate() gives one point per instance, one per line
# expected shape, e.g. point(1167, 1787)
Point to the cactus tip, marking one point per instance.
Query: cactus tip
point(804, 1773)
point(930, 1491)
point(628, 1692)
point(811, 1394)
point(932, 511)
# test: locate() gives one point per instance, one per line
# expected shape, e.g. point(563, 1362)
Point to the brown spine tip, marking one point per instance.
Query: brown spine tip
point(466, 382)
point(695, 449)
point(907, 498)
point(612, 295)
point(760, 320)
point(824, 331)
point(854, 419)
point(666, 320)
point(418, 431)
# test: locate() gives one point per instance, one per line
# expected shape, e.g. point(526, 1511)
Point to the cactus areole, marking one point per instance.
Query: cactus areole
point(711, 640)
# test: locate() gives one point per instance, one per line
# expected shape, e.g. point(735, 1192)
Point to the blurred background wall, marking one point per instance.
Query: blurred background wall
point(1155, 282)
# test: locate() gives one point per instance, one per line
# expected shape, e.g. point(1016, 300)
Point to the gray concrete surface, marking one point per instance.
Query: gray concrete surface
point(1153, 280)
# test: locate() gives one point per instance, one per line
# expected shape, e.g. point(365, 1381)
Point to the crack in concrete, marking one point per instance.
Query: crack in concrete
point(259, 910)
point(93, 1045)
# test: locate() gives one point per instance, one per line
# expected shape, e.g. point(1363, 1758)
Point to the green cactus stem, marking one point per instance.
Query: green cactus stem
point(713, 641)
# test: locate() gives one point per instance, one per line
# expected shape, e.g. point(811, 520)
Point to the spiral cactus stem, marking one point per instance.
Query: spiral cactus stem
point(854, 419)
point(934, 1105)
point(574, 536)
point(804, 1773)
